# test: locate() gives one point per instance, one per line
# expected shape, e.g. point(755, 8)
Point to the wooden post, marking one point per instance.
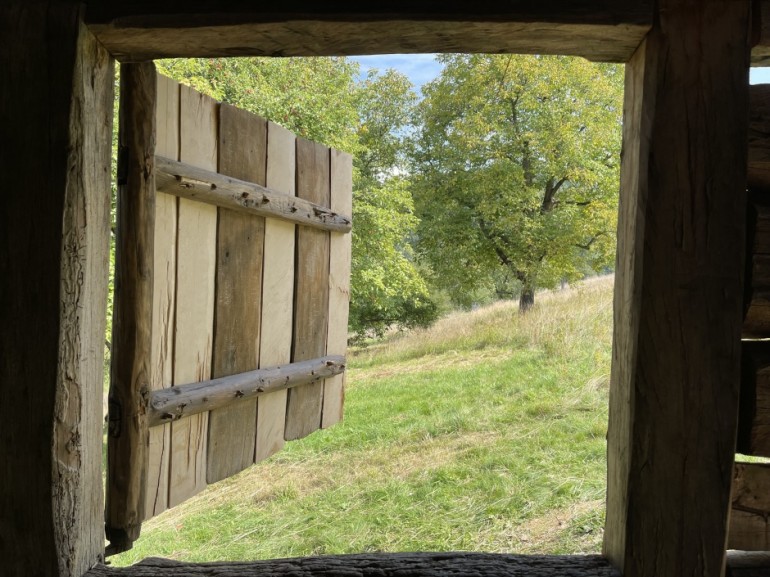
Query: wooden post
point(678, 292)
point(128, 436)
point(56, 112)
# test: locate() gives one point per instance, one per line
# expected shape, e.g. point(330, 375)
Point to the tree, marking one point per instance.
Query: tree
point(387, 289)
point(321, 99)
point(516, 172)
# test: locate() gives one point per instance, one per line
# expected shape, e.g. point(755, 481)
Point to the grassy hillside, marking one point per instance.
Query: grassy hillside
point(486, 432)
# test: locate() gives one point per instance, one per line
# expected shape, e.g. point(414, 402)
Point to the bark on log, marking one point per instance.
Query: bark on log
point(184, 400)
point(188, 181)
point(128, 436)
point(609, 31)
point(379, 565)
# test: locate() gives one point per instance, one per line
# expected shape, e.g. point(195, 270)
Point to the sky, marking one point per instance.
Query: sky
point(422, 68)
point(419, 68)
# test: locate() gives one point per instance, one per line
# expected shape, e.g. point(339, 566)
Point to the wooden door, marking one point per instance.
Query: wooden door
point(248, 259)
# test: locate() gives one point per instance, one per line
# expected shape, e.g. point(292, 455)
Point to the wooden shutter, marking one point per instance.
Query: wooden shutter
point(248, 257)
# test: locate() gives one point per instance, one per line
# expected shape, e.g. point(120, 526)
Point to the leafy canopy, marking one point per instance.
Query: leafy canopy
point(322, 99)
point(516, 169)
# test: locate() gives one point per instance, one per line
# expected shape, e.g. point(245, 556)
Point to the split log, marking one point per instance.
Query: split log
point(207, 186)
point(184, 400)
point(750, 518)
point(379, 565)
point(130, 375)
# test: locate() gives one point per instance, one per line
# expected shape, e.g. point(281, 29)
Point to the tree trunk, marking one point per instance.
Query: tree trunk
point(527, 298)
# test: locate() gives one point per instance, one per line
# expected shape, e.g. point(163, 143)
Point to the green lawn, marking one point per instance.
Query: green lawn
point(486, 432)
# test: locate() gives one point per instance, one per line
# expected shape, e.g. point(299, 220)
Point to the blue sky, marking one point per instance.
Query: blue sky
point(419, 68)
point(422, 68)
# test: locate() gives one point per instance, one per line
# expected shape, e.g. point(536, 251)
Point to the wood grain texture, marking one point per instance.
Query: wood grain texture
point(240, 241)
point(232, 391)
point(196, 264)
point(609, 31)
point(749, 524)
point(277, 290)
point(163, 296)
point(56, 99)
point(131, 363)
point(252, 199)
point(380, 565)
point(311, 290)
point(676, 357)
point(754, 418)
point(339, 285)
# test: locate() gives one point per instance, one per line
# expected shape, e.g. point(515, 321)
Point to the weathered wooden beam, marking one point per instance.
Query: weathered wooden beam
point(130, 374)
point(184, 400)
point(750, 516)
point(56, 99)
point(187, 181)
point(679, 293)
point(607, 31)
point(379, 565)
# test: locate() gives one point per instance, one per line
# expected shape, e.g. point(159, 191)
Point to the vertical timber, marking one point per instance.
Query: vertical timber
point(130, 375)
point(678, 292)
point(56, 92)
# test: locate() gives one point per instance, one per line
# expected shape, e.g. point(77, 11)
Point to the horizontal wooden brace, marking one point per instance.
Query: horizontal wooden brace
point(188, 181)
point(174, 403)
point(750, 518)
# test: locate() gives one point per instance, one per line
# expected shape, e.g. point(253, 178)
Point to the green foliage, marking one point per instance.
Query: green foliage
point(320, 99)
point(516, 171)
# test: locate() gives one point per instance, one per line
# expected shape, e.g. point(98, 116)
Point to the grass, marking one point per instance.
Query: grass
point(485, 432)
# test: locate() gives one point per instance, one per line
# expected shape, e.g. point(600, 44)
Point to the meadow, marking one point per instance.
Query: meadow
point(486, 432)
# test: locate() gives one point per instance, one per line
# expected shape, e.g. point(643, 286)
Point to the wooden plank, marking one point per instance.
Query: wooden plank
point(750, 517)
point(678, 304)
point(339, 285)
point(381, 565)
point(196, 264)
point(130, 375)
point(252, 199)
point(607, 31)
point(754, 419)
point(240, 240)
point(53, 273)
point(163, 296)
point(311, 290)
point(234, 391)
point(277, 290)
